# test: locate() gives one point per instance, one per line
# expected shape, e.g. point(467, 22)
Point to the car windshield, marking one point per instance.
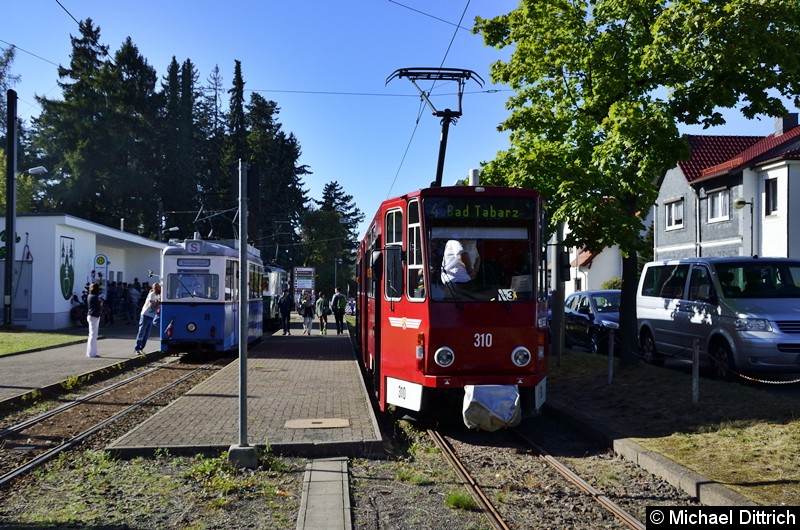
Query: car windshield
point(755, 279)
point(606, 302)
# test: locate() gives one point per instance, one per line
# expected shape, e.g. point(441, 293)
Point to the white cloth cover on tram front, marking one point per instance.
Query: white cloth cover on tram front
point(491, 407)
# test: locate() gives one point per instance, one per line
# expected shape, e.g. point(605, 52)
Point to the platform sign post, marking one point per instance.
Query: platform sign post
point(303, 279)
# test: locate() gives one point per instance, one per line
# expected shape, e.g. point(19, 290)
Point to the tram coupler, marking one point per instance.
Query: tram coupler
point(491, 407)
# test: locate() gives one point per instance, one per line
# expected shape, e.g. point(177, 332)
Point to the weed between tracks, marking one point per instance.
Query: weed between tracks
point(89, 488)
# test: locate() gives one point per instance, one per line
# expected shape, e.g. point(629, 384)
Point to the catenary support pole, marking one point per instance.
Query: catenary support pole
point(242, 454)
point(11, 202)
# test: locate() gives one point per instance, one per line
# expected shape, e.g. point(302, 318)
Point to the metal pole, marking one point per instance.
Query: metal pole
point(11, 202)
point(695, 371)
point(243, 298)
point(243, 455)
point(610, 356)
point(751, 227)
point(446, 119)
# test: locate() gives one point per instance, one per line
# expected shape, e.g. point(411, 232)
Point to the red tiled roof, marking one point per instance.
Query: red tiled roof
point(716, 155)
point(709, 151)
point(584, 259)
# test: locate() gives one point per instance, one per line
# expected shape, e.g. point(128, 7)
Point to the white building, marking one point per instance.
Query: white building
point(57, 254)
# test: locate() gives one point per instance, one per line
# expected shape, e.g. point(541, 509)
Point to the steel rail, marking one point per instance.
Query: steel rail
point(495, 519)
point(48, 455)
point(570, 475)
point(83, 399)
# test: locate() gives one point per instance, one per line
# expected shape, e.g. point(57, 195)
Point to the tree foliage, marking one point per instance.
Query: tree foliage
point(600, 87)
point(333, 226)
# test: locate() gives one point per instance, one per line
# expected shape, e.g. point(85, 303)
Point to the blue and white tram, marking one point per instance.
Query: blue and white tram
point(200, 296)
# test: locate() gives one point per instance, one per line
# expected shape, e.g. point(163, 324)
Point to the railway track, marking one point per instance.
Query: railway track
point(626, 518)
point(494, 516)
point(34, 441)
point(526, 451)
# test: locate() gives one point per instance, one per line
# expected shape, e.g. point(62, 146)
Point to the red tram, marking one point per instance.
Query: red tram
point(426, 336)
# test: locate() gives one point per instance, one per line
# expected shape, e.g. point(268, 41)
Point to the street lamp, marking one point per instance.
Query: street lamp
point(11, 214)
point(336, 262)
point(170, 229)
point(740, 203)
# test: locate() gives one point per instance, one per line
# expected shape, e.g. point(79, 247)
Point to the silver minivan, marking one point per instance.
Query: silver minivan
point(743, 311)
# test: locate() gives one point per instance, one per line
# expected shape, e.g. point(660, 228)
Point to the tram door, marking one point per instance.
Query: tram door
point(373, 316)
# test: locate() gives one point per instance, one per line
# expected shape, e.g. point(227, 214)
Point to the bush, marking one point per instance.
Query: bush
point(613, 283)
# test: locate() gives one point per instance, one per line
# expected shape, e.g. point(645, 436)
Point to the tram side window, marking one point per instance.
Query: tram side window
point(230, 279)
point(254, 281)
point(393, 278)
point(394, 273)
point(416, 277)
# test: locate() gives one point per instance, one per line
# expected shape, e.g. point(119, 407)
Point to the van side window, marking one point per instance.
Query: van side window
point(665, 281)
point(700, 286)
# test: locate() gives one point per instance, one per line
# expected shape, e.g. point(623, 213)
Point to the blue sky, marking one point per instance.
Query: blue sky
point(325, 63)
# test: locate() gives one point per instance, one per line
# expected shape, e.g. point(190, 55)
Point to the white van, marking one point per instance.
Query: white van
point(745, 312)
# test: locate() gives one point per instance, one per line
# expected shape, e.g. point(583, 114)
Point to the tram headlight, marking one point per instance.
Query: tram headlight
point(521, 356)
point(191, 327)
point(444, 356)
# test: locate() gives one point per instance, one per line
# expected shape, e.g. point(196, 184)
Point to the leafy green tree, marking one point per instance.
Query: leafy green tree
point(600, 87)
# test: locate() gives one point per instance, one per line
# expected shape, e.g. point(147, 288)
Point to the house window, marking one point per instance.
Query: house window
point(674, 214)
point(718, 206)
point(771, 196)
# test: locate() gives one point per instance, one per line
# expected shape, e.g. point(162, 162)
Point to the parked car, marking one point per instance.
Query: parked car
point(589, 316)
point(743, 313)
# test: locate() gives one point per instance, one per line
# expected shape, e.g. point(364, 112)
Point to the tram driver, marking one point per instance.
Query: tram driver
point(460, 262)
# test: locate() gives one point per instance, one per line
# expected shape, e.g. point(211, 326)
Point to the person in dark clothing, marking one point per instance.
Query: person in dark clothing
point(338, 303)
point(94, 306)
point(285, 304)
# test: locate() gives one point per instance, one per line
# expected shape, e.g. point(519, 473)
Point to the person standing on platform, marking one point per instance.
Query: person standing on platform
point(94, 309)
point(285, 304)
point(338, 303)
point(148, 314)
point(323, 310)
point(307, 310)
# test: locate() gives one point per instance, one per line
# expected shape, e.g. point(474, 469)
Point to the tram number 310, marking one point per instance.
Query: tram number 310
point(483, 340)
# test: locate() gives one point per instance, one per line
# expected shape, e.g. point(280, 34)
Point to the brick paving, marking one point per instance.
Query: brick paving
point(305, 396)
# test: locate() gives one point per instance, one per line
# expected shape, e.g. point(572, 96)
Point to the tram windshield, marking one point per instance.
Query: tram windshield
point(485, 264)
point(195, 285)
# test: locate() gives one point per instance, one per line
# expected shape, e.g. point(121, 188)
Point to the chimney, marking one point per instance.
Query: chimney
point(786, 123)
point(475, 174)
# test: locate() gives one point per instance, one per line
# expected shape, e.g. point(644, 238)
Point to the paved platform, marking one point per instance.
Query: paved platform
point(305, 397)
point(27, 373)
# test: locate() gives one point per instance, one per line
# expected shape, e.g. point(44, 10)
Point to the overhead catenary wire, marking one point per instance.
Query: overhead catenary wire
point(428, 94)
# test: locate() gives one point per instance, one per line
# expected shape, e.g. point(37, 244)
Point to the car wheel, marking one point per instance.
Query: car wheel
point(722, 363)
point(648, 346)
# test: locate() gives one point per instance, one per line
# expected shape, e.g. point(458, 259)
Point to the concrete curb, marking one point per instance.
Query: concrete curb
point(707, 491)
